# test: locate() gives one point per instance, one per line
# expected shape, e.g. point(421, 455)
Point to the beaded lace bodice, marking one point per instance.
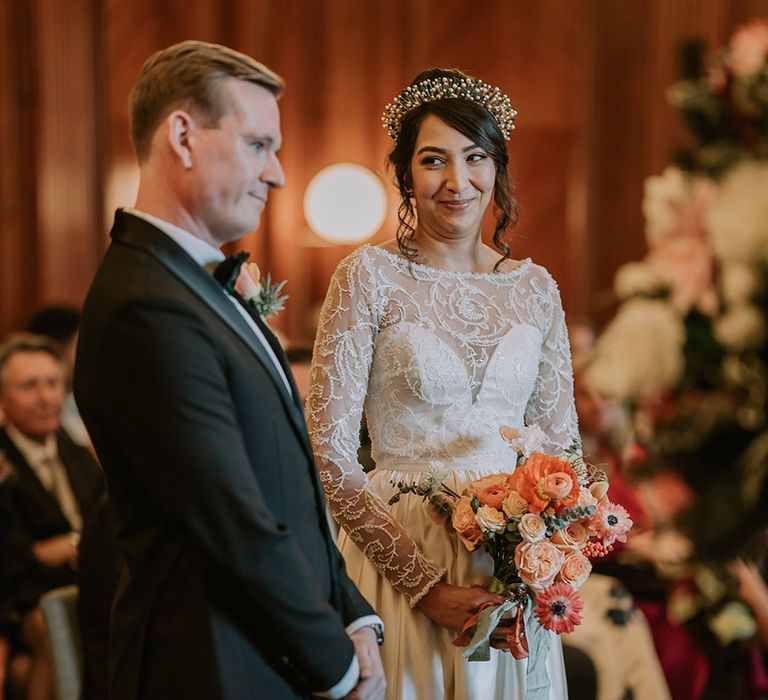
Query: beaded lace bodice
point(439, 361)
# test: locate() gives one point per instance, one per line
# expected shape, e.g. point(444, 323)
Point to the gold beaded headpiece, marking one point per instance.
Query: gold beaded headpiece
point(445, 88)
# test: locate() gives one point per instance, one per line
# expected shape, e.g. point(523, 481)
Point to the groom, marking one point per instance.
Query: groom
point(233, 588)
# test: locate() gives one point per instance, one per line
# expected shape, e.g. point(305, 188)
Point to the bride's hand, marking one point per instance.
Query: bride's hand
point(450, 606)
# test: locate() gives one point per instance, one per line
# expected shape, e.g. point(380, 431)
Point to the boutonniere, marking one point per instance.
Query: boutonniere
point(264, 296)
point(236, 275)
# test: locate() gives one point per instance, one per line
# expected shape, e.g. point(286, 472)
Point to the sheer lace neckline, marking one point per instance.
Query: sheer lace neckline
point(403, 263)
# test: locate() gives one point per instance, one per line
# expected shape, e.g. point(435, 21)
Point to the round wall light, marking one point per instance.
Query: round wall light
point(345, 203)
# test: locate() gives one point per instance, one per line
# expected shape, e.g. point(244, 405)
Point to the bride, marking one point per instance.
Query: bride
point(441, 340)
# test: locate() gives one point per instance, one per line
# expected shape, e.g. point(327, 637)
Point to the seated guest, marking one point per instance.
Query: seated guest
point(54, 485)
point(61, 323)
point(13, 662)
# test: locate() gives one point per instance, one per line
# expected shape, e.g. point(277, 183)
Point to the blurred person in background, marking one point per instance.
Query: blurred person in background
point(52, 487)
point(61, 323)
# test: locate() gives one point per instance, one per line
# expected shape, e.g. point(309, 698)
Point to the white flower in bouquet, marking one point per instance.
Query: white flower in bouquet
point(660, 194)
point(739, 282)
point(737, 219)
point(742, 327)
point(640, 353)
point(636, 278)
point(532, 527)
point(525, 439)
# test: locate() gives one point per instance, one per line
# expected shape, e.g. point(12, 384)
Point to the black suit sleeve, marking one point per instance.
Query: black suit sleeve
point(169, 386)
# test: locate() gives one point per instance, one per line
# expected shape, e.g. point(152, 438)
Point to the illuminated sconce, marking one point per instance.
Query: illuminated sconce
point(345, 203)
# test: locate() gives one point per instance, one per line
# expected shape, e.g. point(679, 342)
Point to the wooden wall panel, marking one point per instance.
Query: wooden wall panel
point(587, 76)
point(19, 273)
point(68, 139)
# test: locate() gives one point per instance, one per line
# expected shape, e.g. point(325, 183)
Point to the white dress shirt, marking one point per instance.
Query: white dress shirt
point(204, 254)
point(43, 459)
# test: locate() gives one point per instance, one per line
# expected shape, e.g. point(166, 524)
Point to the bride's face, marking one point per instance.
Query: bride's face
point(453, 180)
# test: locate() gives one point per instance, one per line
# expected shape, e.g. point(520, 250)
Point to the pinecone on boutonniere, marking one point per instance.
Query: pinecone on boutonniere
point(264, 296)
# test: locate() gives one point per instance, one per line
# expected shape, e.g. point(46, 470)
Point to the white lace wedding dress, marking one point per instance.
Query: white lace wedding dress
point(439, 360)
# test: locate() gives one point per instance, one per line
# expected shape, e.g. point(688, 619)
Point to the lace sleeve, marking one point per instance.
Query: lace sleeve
point(339, 380)
point(551, 405)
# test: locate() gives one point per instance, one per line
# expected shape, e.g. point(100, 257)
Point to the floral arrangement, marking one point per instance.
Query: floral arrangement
point(540, 524)
point(687, 350)
point(724, 100)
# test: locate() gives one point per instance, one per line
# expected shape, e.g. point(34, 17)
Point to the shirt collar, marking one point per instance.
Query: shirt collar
point(34, 453)
point(202, 252)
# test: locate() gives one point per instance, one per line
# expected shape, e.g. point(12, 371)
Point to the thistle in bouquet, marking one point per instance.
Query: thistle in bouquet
point(540, 524)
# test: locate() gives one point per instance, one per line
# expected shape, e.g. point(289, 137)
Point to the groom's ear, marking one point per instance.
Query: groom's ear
point(181, 126)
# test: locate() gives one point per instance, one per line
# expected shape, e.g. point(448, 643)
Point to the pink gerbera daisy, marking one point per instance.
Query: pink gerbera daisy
point(558, 608)
point(611, 523)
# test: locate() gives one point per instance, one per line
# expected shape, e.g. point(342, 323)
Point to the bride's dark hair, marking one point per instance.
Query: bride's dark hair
point(477, 124)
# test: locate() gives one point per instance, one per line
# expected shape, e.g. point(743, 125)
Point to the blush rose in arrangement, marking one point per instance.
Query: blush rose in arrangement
point(541, 525)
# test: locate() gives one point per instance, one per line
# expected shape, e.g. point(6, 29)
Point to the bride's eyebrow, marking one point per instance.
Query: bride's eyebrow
point(443, 151)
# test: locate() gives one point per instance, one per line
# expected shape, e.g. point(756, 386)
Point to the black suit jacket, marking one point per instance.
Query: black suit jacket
point(233, 587)
point(37, 516)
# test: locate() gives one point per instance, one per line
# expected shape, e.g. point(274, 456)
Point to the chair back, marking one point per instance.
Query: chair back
point(59, 608)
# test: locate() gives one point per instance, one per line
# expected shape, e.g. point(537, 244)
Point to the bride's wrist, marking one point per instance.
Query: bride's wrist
point(427, 602)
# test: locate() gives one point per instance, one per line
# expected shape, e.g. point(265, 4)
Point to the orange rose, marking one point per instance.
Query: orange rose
point(491, 490)
point(543, 480)
point(463, 521)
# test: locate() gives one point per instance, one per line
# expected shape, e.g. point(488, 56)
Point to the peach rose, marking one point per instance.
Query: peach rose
point(597, 492)
point(575, 570)
point(573, 536)
point(555, 486)
point(532, 527)
point(514, 505)
point(490, 520)
point(538, 563)
point(491, 490)
point(543, 479)
point(247, 283)
point(463, 521)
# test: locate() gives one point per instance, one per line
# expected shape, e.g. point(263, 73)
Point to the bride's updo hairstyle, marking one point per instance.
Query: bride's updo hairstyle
point(473, 120)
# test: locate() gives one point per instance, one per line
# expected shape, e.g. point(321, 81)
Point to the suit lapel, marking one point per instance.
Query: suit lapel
point(138, 233)
point(30, 484)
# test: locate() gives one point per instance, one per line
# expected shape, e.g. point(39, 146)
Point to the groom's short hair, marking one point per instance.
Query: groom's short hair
point(188, 76)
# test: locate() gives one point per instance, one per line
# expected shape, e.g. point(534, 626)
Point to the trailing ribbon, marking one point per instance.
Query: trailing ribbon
point(529, 640)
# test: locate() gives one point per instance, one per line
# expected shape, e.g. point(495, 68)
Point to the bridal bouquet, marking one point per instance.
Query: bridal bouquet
point(540, 524)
